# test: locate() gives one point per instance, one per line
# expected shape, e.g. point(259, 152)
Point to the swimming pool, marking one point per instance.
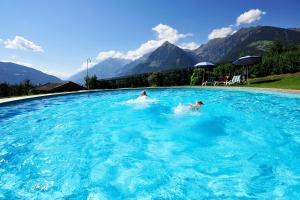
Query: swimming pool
point(110, 145)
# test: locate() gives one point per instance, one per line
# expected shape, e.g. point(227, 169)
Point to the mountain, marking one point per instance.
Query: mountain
point(130, 66)
point(252, 40)
point(103, 70)
point(13, 73)
point(166, 57)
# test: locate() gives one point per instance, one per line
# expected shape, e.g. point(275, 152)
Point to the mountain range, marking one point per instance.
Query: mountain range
point(252, 40)
point(13, 73)
point(246, 41)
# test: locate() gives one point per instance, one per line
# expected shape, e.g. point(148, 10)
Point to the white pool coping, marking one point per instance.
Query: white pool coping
point(29, 97)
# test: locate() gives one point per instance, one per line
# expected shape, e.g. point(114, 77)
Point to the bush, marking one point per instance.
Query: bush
point(155, 79)
point(23, 88)
point(91, 82)
point(226, 69)
point(197, 76)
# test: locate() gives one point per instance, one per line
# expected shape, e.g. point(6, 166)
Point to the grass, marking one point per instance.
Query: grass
point(283, 81)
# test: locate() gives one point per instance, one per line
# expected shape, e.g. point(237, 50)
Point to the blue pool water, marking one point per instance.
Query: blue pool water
point(110, 145)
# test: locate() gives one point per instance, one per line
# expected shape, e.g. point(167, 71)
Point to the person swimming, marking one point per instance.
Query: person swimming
point(196, 105)
point(143, 94)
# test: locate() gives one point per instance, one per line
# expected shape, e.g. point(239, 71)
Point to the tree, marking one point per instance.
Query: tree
point(155, 79)
point(4, 90)
point(25, 87)
point(197, 76)
point(222, 70)
point(277, 47)
point(87, 81)
point(91, 82)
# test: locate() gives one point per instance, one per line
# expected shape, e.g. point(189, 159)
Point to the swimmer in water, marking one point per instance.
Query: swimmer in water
point(196, 105)
point(143, 94)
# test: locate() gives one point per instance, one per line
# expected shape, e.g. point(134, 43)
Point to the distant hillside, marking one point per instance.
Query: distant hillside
point(253, 40)
point(103, 70)
point(126, 69)
point(166, 57)
point(295, 29)
point(13, 73)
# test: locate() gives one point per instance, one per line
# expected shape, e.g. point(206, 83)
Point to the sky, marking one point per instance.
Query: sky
point(57, 36)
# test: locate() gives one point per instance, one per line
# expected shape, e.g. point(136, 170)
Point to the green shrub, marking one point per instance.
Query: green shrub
point(155, 79)
point(91, 82)
point(197, 76)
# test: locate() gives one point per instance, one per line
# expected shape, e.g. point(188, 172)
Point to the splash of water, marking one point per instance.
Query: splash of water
point(141, 102)
point(182, 109)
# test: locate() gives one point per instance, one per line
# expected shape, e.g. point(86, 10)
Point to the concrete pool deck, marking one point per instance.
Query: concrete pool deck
point(31, 97)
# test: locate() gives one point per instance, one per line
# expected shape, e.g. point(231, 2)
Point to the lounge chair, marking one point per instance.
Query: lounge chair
point(234, 80)
point(210, 81)
point(223, 82)
point(220, 83)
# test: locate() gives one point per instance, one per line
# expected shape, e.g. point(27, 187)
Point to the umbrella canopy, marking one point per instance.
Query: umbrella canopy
point(247, 60)
point(204, 65)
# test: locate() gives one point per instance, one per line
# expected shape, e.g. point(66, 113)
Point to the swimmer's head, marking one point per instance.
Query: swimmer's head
point(143, 93)
point(199, 102)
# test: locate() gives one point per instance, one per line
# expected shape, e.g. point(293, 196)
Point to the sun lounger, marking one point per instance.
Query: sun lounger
point(220, 83)
point(234, 80)
point(210, 81)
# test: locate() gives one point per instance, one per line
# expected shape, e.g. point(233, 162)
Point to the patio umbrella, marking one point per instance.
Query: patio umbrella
point(204, 65)
point(247, 61)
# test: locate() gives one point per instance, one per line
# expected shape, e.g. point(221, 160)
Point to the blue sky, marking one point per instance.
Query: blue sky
point(57, 36)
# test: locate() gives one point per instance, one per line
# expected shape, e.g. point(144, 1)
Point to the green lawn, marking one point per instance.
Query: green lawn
point(284, 81)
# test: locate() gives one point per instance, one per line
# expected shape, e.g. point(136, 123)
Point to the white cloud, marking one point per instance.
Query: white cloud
point(83, 66)
point(59, 74)
point(167, 33)
point(189, 45)
point(15, 59)
point(111, 54)
point(133, 54)
point(163, 33)
point(246, 18)
point(250, 16)
point(21, 43)
point(220, 33)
